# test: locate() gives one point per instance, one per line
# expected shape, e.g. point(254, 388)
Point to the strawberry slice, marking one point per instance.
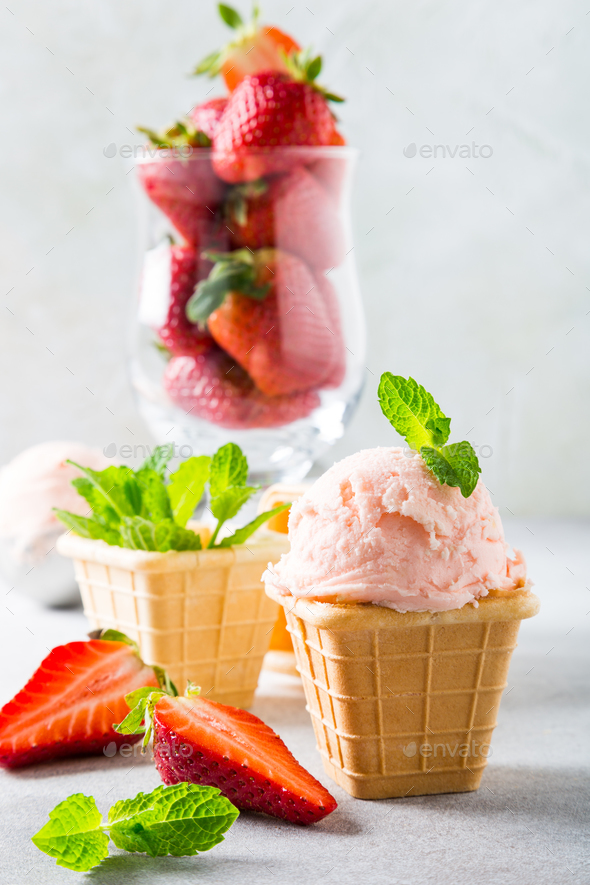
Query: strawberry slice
point(200, 741)
point(292, 212)
point(69, 705)
point(214, 387)
point(255, 48)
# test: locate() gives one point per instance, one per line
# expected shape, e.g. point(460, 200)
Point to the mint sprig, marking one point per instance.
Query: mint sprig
point(142, 510)
point(182, 819)
point(416, 416)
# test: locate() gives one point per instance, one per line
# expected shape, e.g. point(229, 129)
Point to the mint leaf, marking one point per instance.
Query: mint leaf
point(170, 536)
point(244, 533)
point(187, 486)
point(182, 819)
point(138, 533)
point(227, 505)
point(159, 459)
point(73, 835)
point(155, 500)
point(88, 528)
point(455, 464)
point(113, 490)
point(229, 467)
point(413, 412)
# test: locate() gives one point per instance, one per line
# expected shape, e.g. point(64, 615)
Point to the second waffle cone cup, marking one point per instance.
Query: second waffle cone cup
point(404, 704)
point(201, 615)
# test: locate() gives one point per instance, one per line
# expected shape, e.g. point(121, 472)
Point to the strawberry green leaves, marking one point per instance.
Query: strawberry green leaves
point(419, 419)
point(232, 271)
point(179, 820)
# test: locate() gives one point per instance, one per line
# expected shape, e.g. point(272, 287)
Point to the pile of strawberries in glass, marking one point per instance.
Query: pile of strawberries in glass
point(252, 186)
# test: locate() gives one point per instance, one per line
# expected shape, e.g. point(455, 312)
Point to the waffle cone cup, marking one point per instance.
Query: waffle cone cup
point(202, 615)
point(404, 704)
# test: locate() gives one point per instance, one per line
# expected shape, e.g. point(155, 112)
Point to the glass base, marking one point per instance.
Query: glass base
point(279, 454)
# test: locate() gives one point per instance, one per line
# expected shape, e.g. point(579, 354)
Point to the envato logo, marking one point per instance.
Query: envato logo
point(139, 450)
point(428, 751)
point(127, 751)
point(145, 150)
point(465, 151)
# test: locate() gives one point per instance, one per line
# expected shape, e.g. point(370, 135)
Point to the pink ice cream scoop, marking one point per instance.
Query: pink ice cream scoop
point(379, 527)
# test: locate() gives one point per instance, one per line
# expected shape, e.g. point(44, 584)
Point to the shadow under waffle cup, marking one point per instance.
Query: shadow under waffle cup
point(404, 704)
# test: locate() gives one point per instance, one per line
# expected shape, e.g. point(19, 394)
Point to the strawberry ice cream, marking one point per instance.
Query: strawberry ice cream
point(378, 527)
point(34, 482)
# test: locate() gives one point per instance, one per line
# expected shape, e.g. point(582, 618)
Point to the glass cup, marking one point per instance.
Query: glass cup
point(249, 325)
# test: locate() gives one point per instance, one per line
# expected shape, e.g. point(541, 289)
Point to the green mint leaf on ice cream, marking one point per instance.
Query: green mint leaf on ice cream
point(182, 819)
point(413, 412)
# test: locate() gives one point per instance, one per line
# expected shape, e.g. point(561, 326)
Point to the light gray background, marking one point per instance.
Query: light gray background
point(474, 271)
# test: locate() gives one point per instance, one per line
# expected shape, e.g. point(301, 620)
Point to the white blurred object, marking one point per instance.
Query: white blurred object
point(30, 486)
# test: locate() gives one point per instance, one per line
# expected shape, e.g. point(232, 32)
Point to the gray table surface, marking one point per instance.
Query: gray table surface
point(528, 823)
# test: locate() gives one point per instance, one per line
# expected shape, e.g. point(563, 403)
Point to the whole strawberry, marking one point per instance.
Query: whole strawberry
point(177, 175)
point(205, 117)
point(266, 310)
point(254, 48)
point(199, 741)
point(214, 387)
point(170, 275)
point(267, 111)
point(292, 212)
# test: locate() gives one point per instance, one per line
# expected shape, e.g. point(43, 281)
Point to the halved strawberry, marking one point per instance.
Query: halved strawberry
point(200, 741)
point(265, 309)
point(266, 111)
point(170, 275)
point(69, 705)
point(214, 387)
point(292, 212)
point(255, 48)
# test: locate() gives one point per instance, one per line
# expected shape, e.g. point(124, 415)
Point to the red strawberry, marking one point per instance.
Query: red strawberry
point(271, 318)
point(256, 48)
point(266, 111)
point(68, 706)
point(188, 193)
point(206, 116)
point(292, 212)
point(338, 369)
point(203, 742)
point(213, 387)
point(170, 275)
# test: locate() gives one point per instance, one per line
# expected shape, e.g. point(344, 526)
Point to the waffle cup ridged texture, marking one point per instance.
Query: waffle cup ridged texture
point(201, 615)
point(404, 704)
